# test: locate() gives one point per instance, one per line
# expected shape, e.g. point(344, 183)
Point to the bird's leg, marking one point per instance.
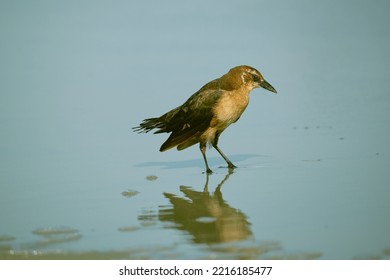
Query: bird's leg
point(230, 164)
point(202, 147)
point(215, 145)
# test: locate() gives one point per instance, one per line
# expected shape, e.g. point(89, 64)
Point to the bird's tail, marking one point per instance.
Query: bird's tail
point(149, 124)
point(162, 124)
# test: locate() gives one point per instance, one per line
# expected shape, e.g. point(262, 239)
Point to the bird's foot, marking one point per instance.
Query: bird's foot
point(231, 165)
point(209, 171)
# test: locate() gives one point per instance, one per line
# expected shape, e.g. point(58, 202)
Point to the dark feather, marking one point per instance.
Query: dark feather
point(186, 122)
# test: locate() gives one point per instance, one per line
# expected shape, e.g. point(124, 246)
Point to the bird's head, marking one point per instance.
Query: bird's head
point(251, 78)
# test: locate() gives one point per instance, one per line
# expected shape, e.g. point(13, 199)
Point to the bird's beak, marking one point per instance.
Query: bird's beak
point(267, 86)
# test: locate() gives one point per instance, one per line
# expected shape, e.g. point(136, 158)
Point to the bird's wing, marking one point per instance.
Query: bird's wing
point(191, 119)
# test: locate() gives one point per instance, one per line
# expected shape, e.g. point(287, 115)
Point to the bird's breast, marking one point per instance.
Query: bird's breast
point(229, 108)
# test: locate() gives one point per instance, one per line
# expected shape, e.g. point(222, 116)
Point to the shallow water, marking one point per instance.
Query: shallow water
point(312, 180)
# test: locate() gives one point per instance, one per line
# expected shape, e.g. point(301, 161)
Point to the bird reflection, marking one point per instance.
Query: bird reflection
point(206, 216)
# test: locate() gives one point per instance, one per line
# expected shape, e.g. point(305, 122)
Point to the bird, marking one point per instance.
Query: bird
point(208, 112)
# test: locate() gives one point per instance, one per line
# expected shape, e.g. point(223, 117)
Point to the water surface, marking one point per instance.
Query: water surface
point(312, 180)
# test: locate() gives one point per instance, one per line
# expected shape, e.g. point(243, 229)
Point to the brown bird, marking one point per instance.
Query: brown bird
point(208, 112)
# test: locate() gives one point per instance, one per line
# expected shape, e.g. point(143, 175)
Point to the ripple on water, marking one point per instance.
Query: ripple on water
point(129, 193)
point(6, 238)
point(57, 234)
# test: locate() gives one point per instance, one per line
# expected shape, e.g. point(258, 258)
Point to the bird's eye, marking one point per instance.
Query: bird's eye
point(255, 78)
